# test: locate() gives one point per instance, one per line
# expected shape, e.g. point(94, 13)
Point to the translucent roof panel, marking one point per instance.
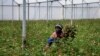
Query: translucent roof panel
point(0, 2)
point(61, 1)
point(30, 1)
point(77, 1)
point(7, 2)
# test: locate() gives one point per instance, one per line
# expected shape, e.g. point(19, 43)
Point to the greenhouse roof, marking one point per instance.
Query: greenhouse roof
point(9, 2)
point(61, 1)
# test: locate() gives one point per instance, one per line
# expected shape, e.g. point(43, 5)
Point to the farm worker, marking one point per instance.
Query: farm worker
point(57, 34)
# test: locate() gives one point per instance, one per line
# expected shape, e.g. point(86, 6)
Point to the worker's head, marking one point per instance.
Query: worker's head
point(58, 28)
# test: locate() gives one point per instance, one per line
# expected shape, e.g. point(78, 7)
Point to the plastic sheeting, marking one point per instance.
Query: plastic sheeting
point(55, 11)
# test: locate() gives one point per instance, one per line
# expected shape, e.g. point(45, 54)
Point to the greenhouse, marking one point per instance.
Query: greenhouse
point(49, 27)
point(57, 9)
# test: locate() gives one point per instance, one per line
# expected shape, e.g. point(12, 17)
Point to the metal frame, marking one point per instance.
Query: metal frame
point(39, 10)
point(82, 8)
point(19, 11)
point(63, 14)
point(35, 12)
point(51, 9)
point(2, 9)
point(28, 10)
point(65, 8)
point(24, 25)
point(47, 11)
point(87, 11)
point(62, 6)
point(72, 13)
point(41, 2)
point(12, 10)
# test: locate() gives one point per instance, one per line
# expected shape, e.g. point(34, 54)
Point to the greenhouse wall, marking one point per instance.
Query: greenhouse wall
point(55, 12)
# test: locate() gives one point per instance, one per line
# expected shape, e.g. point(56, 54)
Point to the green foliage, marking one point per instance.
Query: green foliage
point(86, 43)
point(69, 31)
